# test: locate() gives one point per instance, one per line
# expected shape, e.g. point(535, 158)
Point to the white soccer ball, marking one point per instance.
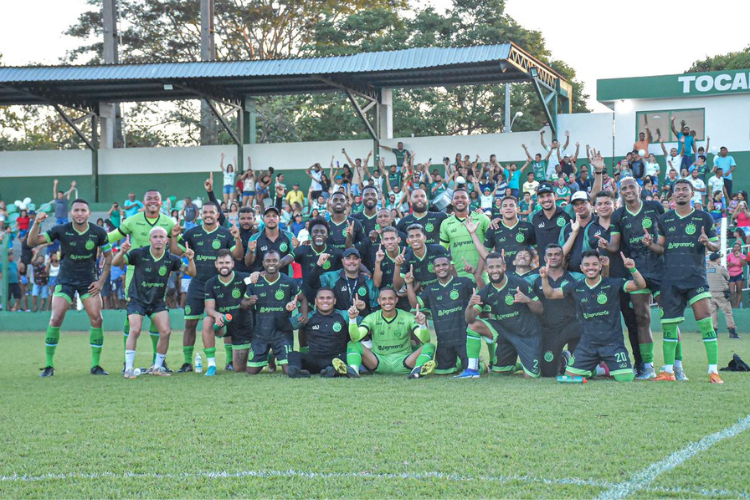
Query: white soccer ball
point(137, 371)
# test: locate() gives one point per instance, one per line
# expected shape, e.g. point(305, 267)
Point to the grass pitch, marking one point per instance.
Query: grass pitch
point(79, 436)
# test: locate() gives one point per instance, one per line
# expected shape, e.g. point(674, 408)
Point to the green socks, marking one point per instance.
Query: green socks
point(428, 352)
point(678, 351)
point(354, 354)
point(706, 328)
point(96, 339)
point(670, 345)
point(50, 344)
point(228, 351)
point(473, 349)
point(187, 353)
point(153, 332)
point(210, 352)
point(647, 352)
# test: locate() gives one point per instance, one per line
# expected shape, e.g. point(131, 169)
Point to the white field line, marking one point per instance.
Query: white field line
point(361, 475)
point(643, 479)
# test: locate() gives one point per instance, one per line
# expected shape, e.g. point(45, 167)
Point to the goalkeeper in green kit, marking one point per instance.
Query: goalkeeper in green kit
point(392, 331)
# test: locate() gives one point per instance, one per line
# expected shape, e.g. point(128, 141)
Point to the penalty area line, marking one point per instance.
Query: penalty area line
point(643, 479)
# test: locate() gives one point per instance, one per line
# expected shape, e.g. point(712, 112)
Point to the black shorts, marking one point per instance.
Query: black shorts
point(312, 363)
point(511, 346)
point(14, 290)
point(68, 291)
point(447, 355)
point(675, 298)
point(281, 342)
point(653, 286)
point(586, 357)
point(195, 299)
point(241, 331)
point(135, 307)
point(553, 342)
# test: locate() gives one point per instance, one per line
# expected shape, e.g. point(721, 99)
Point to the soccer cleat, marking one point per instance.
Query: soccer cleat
point(159, 372)
point(344, 369)
point(647, 373)
point(229, 367)
point(328, 372)
point(129, 374)
point(297, 372)
point(468, 374)
point(271, 367)
point(47, 371)
point(185, 368)
point(664, 376)
point(211, 371)
point(638, 370)
point(421, 371)
point(714, 378)
point(98, 370)
point(123, 369)
point(166, 368)
point(564, 360)
point(604, 368)
point(679, 374)
point(733, 334)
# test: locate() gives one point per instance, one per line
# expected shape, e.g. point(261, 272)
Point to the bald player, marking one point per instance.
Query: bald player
point(139, 227)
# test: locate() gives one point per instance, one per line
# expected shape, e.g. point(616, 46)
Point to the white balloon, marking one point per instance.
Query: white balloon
point(198, 202)
point(22, 206)
point(641, 152)
point(17, 203)
point(27, 200)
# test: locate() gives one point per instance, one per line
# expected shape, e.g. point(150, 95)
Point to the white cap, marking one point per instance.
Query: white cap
point(579, 196)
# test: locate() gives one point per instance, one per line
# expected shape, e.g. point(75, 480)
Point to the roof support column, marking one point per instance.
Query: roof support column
point(385, 114)
point(95, 157)
point(249, 116)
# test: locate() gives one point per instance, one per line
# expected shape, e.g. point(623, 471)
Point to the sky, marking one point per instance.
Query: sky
point(599, 39)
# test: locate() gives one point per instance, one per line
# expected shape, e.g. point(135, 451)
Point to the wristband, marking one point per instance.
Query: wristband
point(633, 271)
point(598, 173)
point(352, 321)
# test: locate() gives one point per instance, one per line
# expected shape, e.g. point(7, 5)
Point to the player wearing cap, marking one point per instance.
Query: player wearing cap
point(548, 221)
point(271, 237)
point(598, 307)
point(351, 287)
point(572, 236)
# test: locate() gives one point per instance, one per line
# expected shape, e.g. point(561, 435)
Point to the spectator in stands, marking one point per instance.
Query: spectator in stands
point(701, 166)
point(638, 167)
point(741, 218)
point(402, 155)
point(40, 290)
point(3, 214)
point(736, 261)
point(716, 183)
point(643, 139)
point(652, 169)
point(248, 184)
point(14, 284)
point(189, 213)
point(699, 187)
point(555, 146)
point(686, 146)
point(572, 184)
point(23, 222)
point(228, 189)
point(562, 191)
point(726, 162)
point(132, 206)
point(531, 184)
point(115, 215)
point(673, 159)
point(718, 285)
point(61, 200)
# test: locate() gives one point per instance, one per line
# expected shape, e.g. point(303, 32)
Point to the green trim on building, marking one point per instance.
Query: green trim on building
point(674, 86)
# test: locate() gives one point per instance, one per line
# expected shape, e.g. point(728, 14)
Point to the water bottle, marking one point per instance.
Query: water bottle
point(567, 379)
point(227, 318)
point(198, 363)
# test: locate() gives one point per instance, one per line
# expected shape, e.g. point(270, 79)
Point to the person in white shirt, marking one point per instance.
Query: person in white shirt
point(652, 169)
point(716, 183)
point(229, 179)
point(531, 185)
point(699, 187)
point(674, 161)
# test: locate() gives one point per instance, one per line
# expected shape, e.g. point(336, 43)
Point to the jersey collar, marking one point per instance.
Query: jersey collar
point(231, 279)
point(88, 226)
point(599, 282)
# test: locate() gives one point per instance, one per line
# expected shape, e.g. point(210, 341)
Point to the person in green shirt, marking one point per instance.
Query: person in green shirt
point(562, 192)
point(538, 165)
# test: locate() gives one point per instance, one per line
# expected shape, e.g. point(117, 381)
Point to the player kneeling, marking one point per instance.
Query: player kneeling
point(598, 305)
point(224, 316)
point(391, 331)
point(151, 268)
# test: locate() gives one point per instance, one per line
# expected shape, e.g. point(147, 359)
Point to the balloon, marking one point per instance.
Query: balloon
point(27, 200)
point(17, 203)
point(641, 152)
point(198, 202)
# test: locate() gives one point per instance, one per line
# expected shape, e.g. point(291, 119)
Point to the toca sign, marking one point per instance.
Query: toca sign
point(674, 86)
point(721, 83)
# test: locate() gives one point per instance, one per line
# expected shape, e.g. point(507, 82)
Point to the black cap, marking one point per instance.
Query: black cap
point(272, 208)
point(544, 188)
point(714, 256)
point(352, 251)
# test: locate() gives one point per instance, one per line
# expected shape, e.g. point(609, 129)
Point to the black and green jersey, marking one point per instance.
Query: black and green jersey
point(423, 267)
point(390, 336)
point(78, 252)
point(401, 155)
point(307, 258)
point(684, 256)
point(282, 244)
point(540, 170)
point(520, 236)
point(206, 245)
point(546, 230)
point(455, 237)
point(337, 236)
point(227, 296)
point(430, 221)
point(557, 312)
point(327, 335)
point(447, 304)
point(150, 275)
point(594, 230)
point(369, 224)
point(598, 309)
point(515, 318)
point(630, 225)
point(270, 309)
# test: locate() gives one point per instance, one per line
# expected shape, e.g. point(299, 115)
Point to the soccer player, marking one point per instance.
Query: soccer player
point(224, 294)
point(560, 326)
point(247, 230)
point(455, 236)
point(510, 236)
point(371, 245)
point(151, 266)
point(79, 241)
point(385, 258)
point(351, 287)
point(270, 238)
point(446, 299)
point(138, 227)
point(548, 221)
point(513, 325)
point(326, 334)
point(629, 224)
point(307, 256)
point(598, 305)
point(391, 331)
point(273, 298)
point(419, 258)
point(345, 231)
point(367, 217)
point(572, 235)
point(524, 262)
point(206, 240)
point(684, 234)
point(430, 221)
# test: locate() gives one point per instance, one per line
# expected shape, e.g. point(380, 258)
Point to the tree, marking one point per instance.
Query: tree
point(732, 60)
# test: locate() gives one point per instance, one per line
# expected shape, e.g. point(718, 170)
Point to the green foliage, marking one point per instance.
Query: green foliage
point(731, 60)
point(497, 437)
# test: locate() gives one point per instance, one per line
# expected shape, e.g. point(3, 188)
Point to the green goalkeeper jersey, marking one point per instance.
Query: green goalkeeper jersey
point(139, 227)
point(455, 237)
point(389, 337)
